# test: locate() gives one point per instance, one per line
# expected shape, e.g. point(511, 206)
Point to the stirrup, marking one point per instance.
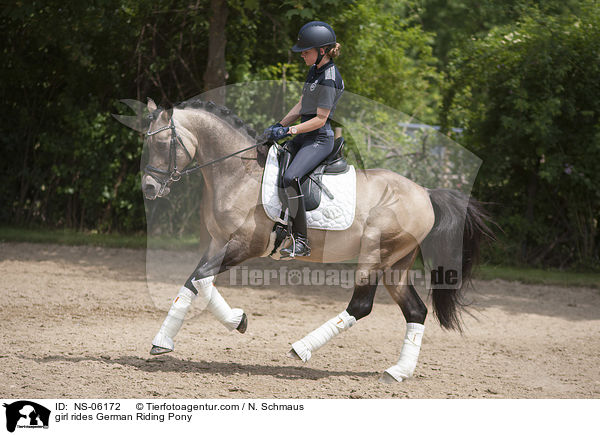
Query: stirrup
point(298, 248)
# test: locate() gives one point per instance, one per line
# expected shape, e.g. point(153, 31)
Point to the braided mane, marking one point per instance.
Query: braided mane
point(221, 111)
point(228, 116)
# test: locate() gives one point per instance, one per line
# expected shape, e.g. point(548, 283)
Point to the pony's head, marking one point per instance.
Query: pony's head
point(194, 131)
point(170, 151)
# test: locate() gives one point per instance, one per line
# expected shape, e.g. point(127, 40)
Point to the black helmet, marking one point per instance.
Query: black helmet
point(314, 35)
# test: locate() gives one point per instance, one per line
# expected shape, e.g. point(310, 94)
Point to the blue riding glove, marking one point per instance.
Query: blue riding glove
point(269, 130)
point(279, 133)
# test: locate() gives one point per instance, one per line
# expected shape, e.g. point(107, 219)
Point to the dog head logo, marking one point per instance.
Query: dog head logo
point(26, 414)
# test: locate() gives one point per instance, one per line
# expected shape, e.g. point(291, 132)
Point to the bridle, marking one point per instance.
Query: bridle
point(166, 177)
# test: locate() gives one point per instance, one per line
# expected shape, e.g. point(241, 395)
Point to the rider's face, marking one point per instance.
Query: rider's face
point(309, 56)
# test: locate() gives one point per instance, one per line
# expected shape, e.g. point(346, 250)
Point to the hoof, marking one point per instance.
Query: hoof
point(243, 324)
point(157, 350)
point(386, 378)
point(294, 355)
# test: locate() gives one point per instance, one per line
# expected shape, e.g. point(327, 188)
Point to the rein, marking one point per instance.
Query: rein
point(173, 174)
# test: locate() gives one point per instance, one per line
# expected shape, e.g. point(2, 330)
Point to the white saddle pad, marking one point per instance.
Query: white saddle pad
point(332, 214)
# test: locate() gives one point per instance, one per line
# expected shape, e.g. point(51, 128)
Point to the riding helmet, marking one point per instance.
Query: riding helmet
point(314, 35)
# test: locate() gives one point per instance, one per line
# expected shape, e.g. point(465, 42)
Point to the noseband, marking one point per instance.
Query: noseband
point(166, 177)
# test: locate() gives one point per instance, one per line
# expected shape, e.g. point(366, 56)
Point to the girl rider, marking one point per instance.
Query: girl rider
point(314, 141)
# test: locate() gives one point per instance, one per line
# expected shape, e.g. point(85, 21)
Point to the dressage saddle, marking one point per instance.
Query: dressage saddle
point(311, 184)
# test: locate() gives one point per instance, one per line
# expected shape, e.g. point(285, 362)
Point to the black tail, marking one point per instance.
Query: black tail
point(451, 249)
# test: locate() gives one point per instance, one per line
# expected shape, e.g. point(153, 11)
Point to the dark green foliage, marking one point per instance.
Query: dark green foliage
point(527, 95)
point(65, 162)
point(520, 76)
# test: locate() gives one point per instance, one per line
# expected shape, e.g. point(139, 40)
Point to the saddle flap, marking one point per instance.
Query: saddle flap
point(334, 212)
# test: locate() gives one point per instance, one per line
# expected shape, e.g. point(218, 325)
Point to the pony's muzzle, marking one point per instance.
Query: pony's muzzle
point(150, 187)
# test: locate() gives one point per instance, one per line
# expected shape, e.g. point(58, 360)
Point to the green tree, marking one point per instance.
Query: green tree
point(65, 163)
point(526, 95)
point(387, 57)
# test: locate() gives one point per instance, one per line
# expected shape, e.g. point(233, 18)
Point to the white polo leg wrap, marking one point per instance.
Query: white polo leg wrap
point(210, 298)
point(409, 355)
point(174, 320)
point(322, 335)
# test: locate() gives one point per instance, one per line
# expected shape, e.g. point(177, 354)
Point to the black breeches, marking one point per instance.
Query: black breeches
point(312, 149)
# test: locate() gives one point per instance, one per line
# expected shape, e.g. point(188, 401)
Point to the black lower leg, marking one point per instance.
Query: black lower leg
point(361, 303)
point(297, 207)
point(412, 306)
point(214, 264)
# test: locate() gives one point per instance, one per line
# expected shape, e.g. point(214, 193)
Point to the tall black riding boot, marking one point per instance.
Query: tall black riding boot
point(297, 211)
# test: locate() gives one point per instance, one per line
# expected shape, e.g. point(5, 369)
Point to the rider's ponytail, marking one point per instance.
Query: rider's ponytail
point(334, 51)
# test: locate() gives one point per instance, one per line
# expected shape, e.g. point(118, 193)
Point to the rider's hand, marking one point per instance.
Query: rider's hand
point(269, 130)
point(279, 133)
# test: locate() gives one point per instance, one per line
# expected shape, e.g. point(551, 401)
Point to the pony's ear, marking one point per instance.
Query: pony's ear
point(137, 106)
point(140, 122)
point(151, 105)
